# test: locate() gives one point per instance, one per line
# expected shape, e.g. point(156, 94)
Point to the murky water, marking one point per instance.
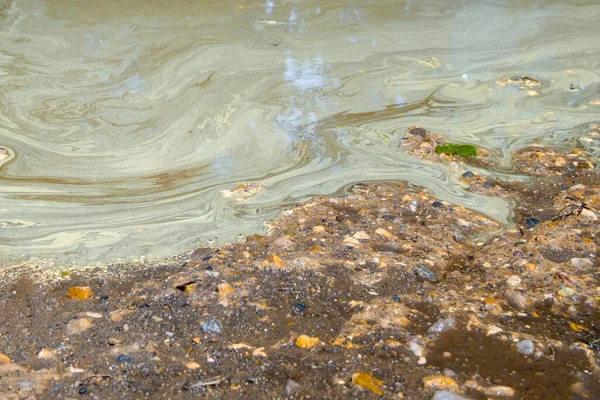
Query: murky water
point(124, 120)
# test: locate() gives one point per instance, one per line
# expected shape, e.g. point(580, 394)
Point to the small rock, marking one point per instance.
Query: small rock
point(587, 216)
point(519, 300)
point(291, 387)
point(424, 274)
point(318, 229)
point(123, 358)
point(498, 391)
point(513, 282)
point(449, 373)
point(306, 342)
point(282, 242)
point(78, 325)
point(526, 347)
point(416, 348)
point(192, 365)
point(79, 293)
point(361, 235)
point(566, 292)
point(440, 382)
point(437, 204)
point(531, 222)
point(442, 325)
point(224, 289)
point(422, 361)
point(492, 330)
point(4, 359)
point(74, 370)
point(350, 242)
point(211, 326)
point(384, 234)
point(299, 307)
point(93, 315)
point(446, 395)
point(581, 262)
point(45, 354)
point(113, 341)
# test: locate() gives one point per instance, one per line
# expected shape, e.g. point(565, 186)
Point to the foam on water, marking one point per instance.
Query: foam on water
point(123, 120)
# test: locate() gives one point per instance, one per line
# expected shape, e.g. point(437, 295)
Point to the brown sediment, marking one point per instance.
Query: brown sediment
point(396, 293)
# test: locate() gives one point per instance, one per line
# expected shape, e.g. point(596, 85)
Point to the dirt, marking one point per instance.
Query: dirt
point(368, 274)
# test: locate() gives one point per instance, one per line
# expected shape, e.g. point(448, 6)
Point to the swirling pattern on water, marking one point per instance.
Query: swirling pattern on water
point(123, 120)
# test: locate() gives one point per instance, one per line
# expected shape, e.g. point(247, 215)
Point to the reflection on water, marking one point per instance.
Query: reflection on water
point(123, 120)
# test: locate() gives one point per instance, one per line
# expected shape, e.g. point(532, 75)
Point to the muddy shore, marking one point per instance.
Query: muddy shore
point(384, 293)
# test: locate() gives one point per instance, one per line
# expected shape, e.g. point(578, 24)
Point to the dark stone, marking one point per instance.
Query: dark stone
point(415, 130)
point(299, 307)
point(82, 390)
point(123, 358)
point(468, 175)
point(396, 298)
point(437, 204)
point(531, 222)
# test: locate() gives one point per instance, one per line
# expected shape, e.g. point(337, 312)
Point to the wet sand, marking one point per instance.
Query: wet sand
point(384, 292)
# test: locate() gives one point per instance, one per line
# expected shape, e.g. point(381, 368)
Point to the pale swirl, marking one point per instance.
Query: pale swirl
point(121, 122)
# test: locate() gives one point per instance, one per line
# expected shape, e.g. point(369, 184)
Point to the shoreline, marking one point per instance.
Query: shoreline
point(384, 292)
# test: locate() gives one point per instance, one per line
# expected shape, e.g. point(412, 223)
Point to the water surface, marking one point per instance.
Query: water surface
point(123, 120)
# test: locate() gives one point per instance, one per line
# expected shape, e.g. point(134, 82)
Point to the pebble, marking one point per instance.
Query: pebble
point(448, 372)
point(224, 289)
point(519, 300)
point(291, 387)
point(4, 359)
point(299, 307)
point(318, 229)
point(211, 326)
point(499, 391)
point(424, 273)
point(93, 315)
point(442, 325)
point(79, 293)
point(566, 292)
point(123, 358)
point(526, 347)
point(192, 365)
point(446, 395)
point(440, 382)
point(531, 222)
point(384, 234)
point(361, 235)
point(45, 354)
point(350, 242)
point(78, 325)
point(492, 330)
point(416, 348)
point(282, 242)
point(581, 262)
point(587, 216)
point(513, 282)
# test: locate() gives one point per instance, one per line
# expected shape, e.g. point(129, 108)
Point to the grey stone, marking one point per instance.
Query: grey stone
point(446, 395)
point(211, 326)
point(526, 347)
point(291, 387)
point(442, 325)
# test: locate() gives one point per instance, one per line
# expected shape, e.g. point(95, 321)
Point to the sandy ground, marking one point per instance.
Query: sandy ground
point(386, 292)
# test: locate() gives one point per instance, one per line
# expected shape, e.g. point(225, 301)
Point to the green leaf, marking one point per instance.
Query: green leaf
point(453, 149)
